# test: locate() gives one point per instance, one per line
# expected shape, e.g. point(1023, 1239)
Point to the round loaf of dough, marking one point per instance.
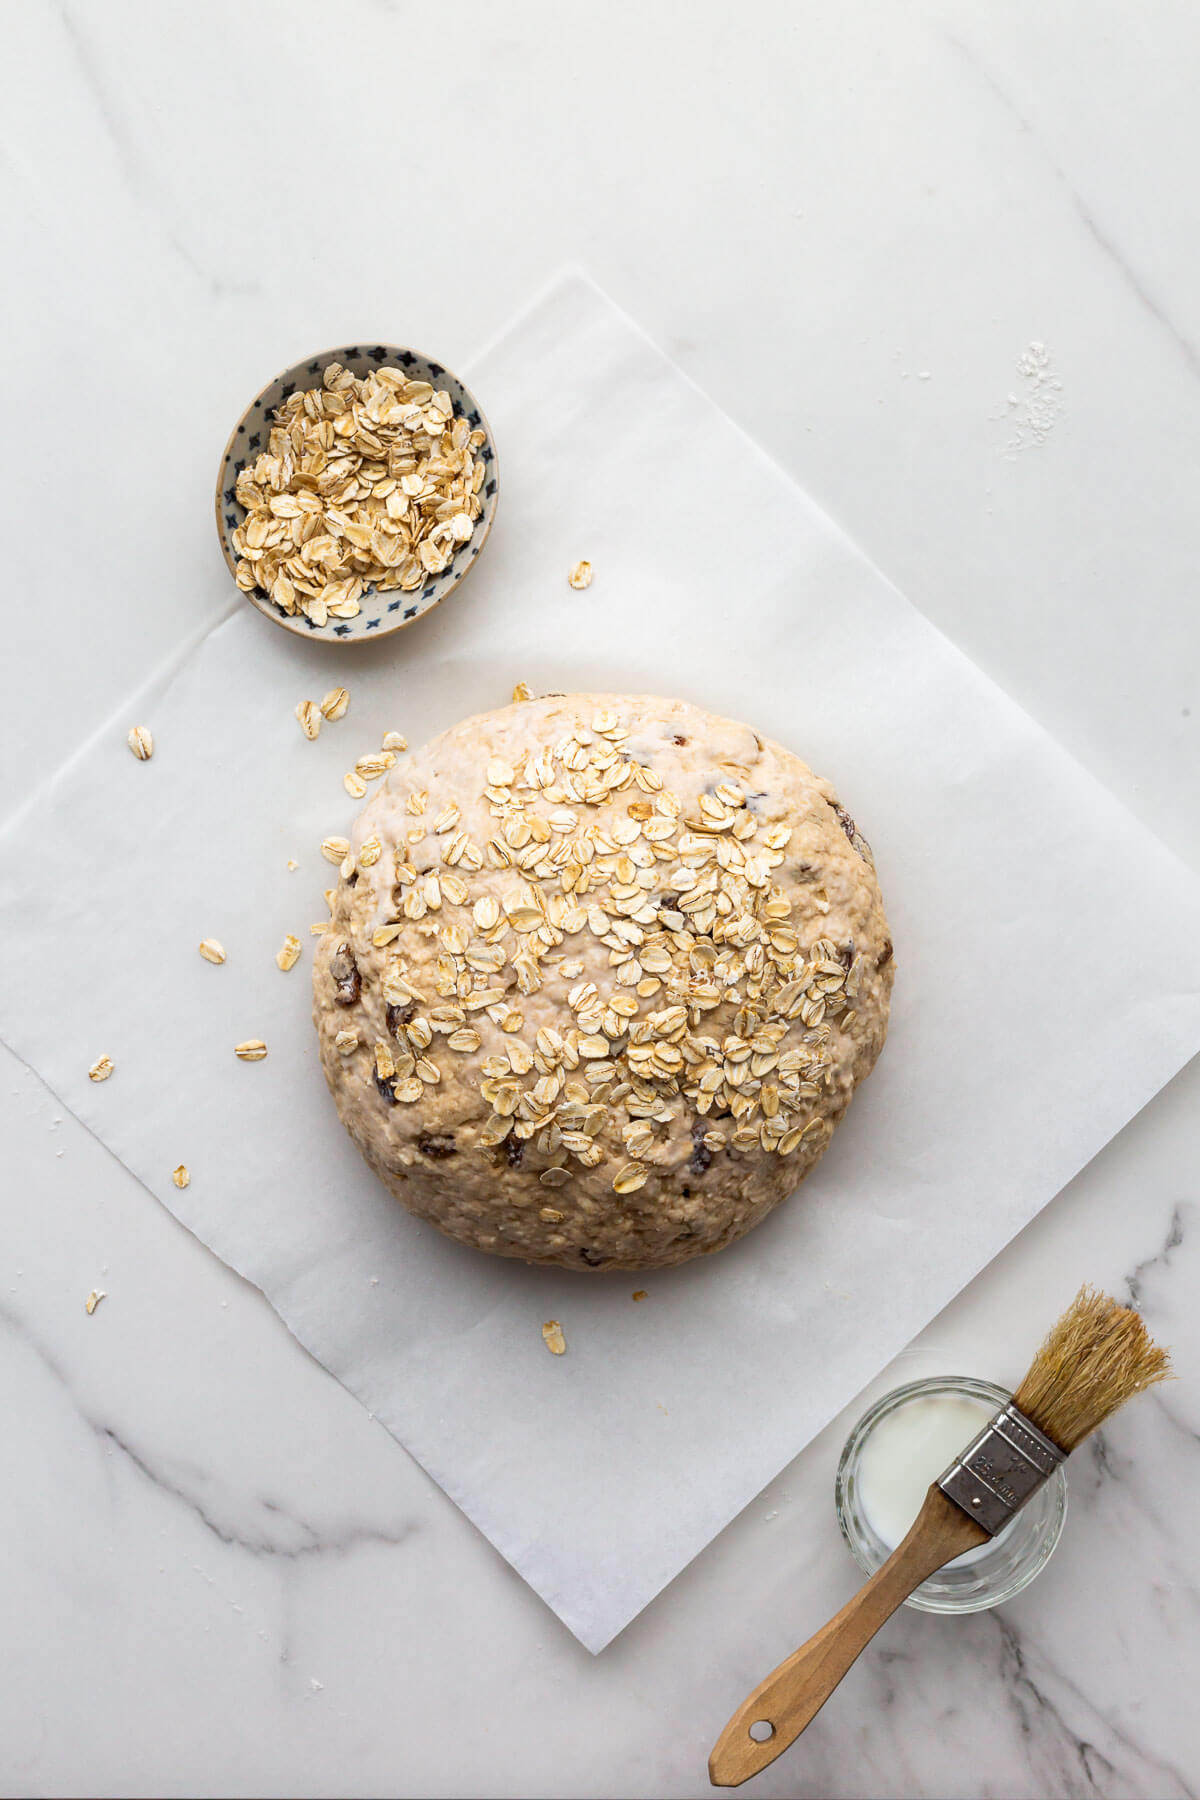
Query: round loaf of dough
point(602, 974)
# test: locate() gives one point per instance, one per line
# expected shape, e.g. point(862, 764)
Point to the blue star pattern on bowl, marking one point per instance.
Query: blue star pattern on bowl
point(389, 611)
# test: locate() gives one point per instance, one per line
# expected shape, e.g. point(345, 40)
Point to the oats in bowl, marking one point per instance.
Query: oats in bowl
point(356, 492)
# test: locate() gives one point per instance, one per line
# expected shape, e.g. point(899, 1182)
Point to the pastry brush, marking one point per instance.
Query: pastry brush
point(1096, 1357)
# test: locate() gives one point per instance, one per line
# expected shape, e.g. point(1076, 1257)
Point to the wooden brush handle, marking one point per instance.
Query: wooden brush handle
point(794, 1693)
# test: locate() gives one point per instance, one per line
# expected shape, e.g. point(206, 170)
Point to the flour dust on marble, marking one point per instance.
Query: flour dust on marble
point(1033, 408)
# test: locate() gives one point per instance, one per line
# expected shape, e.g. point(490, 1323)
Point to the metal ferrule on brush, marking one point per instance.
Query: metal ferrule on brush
point(1000, 1469)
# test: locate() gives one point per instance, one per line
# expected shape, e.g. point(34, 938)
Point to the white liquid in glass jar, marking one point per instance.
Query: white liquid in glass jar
point(909, 1448)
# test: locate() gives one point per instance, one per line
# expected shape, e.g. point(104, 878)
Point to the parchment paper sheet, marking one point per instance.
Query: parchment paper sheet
point(1048, 972)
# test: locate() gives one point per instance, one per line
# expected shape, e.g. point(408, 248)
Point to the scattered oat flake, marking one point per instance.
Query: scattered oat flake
point(552, 1336)
point(211, 950)
point(522, 692)
point(292, 864)
point(335, 703)
point(335, 849)
point(309, 715)
point(354, 785)
point(181, 1176)
point(101, 1069)
point(141, 742)
point(374, 764)
point(93, 1300)
point(394, 740)
point(639, 1293)
point(581, 575)
point(288, 953)
point(251, 1050)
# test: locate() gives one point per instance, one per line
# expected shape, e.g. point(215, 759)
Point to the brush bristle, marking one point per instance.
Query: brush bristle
point(1097, 1356)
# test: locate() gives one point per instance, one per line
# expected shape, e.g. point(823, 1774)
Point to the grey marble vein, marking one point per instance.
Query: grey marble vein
point(1046, 1731)
point(1087, 218)
point(1161, 1258)
point(283, 1534)
point(315, 1543)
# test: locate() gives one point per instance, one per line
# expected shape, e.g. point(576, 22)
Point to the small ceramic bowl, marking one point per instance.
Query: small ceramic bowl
point(382, 612)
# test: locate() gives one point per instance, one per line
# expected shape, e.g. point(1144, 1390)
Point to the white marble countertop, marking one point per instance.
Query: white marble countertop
point(942, 262)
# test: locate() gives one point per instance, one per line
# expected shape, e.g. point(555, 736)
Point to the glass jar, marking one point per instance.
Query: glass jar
point(982, 1577)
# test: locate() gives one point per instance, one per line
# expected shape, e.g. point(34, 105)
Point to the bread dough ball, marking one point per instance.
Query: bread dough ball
point(602, 974)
